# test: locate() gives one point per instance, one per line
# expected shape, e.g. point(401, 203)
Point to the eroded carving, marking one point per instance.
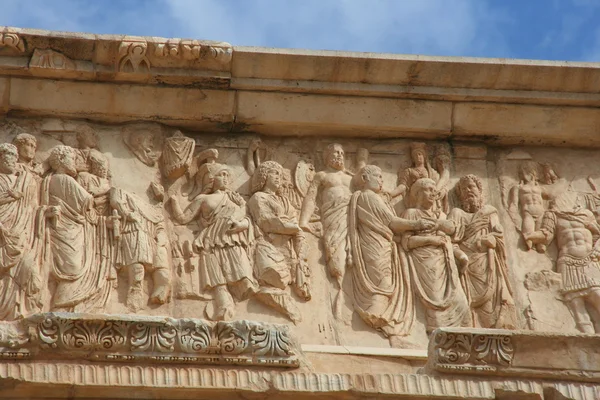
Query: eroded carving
point(281, 250)
point(481, 255)
point(13, 41)
point(223, 242)
point(461, 351)
point(21, 281)
point(383, 295)
point(431, 260)
point(194, 50)
point(50, 59)
point(112, 338)
point(133, 57)
point(333, 186)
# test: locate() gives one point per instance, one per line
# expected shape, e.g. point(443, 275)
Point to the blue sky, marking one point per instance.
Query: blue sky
point(535, 29)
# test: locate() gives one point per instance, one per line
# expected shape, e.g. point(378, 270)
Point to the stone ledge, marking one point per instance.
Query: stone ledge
point(407, 354)
point(28, 379)
point(158, 340)
point(522, 354)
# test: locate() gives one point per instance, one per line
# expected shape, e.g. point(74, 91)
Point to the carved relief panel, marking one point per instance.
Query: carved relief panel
point(359, 243)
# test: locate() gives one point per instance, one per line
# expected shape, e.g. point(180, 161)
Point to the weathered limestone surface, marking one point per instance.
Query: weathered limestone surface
point(183, 219)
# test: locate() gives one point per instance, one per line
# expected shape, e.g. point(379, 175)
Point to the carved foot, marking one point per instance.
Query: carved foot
point(586, 327)
point(160, 296)
point(280, 301)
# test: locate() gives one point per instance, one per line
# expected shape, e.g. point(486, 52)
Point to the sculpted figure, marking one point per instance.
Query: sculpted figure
point(383, 295)
point(76, 258)
point(20, 280)
point(96, 182)
point(26, 146)
point(479, 241)
point(431, 261)
point(333, 185)
point(526, 203)
point(141, 246)
point(224, 239)
point(578, 255)
point(420, 169)
point(280, 253)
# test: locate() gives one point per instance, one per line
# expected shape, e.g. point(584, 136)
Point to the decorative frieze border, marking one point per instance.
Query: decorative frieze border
point(112, 338)
point(519, 354)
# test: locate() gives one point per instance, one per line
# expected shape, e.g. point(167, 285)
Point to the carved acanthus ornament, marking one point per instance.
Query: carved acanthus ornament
point(471, 351)
point(160, 340)
point(12, 40)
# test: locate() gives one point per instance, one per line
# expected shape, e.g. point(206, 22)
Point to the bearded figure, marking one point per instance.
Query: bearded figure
point(480, 250)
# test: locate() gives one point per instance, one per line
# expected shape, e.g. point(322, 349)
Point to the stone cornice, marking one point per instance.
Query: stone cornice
point(213, 86)
point(156, 340)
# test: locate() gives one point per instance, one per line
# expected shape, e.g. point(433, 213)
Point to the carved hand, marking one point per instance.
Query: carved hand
point(489, 241)
point(15, 194)
point(238, 226)
point(425, 224)
point(53, 212)
point(438, 241)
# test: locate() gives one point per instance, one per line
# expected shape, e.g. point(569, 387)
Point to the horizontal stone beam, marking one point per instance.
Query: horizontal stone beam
point(522, 354)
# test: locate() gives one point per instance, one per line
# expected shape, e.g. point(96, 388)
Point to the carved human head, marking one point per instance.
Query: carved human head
point(26, 146)
point(98, 164)
point(62, 160)
point(418, 153)
point(423, 193)
point(528, 171)
point(215, 177)
point(8, 158)
point(371, 178)
point(86, 137)
point(333, 155)
point(442, 159)
point(470, 192)
point(549, 176)
point(269, 174)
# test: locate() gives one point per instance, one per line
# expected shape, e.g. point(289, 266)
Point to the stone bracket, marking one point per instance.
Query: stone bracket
point(522, 354)
point(158, 340)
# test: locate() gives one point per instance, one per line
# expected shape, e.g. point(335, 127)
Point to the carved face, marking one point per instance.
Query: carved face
point(336, 158)
point(373, 181)
point(273, 181)
point(470, 196)
point(418, 158)
point(87, 140)
point(221, 180)
point(8, 163)
point(27, 150)
point(427, 195)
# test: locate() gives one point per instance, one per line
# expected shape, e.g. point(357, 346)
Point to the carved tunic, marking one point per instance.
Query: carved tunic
point(20, 280)
point(485, 279)
point(435, 278)
point(223, 256)
point(268, 211)
point(410, 175)
point(382, 292)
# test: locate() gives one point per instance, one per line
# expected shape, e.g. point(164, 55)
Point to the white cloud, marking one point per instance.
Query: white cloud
point(457, 27)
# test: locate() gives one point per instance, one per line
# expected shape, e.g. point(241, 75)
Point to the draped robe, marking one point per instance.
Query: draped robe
point(485, 279)
point(72, 247)
point(20, 279)
point(435, 277)
point(380, 278)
